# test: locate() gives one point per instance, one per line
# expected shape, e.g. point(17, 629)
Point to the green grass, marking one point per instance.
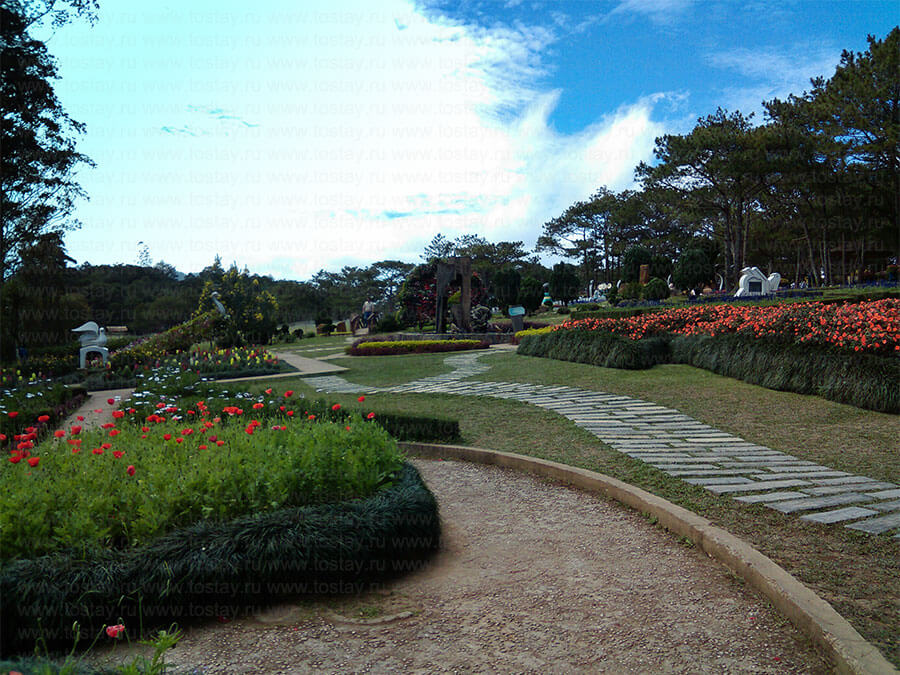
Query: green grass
point(389, 370)
point(858, 574)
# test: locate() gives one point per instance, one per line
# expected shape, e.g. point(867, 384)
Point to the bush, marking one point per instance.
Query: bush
point(630, 291)
point(387, 324)
point(564, 283)
point(612, 296)
point(297, 333)
point(390, 347)
point(656, 289)
point(212, 565)
point(563, 310)
point(597, 348)
point(531, 293)
point(325, 329)
point(693, 269)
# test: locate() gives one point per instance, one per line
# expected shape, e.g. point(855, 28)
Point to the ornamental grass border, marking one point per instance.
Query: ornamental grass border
point(214, 569)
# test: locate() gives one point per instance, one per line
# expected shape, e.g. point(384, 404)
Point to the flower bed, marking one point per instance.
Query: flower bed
point(413, 347)
point(869, 327)
point(29, 413)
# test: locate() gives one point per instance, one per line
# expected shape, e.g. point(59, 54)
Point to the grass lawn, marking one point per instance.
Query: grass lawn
point(858, 574)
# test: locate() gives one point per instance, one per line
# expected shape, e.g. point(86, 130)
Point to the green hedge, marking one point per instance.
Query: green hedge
point(392, 347)
point(598, 348)
point(221, 569)
point(862, 380)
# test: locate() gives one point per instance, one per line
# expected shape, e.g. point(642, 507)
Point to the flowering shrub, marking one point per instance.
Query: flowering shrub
point(413, 347)
point(871, 327)
point(29, 413)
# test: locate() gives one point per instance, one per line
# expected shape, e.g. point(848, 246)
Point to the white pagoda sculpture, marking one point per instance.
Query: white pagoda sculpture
point(93, 339)
point(754, 283)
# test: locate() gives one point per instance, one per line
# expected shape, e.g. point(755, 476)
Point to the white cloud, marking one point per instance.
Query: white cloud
point(343, 137)
point(658, 11)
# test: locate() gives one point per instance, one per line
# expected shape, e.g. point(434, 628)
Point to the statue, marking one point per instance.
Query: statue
point(93, 339)
point(754, 283)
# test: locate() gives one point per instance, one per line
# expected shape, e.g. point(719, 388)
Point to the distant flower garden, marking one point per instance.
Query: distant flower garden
point(870, 327)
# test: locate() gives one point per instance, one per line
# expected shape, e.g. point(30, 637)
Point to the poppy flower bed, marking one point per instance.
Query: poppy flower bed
point(124, 485)
point(34, 411)
point(846, 353)
point(868, 327)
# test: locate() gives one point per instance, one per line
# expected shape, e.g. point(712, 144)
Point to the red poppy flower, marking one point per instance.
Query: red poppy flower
point(145, 429)
point(220, 443)
point(107, 425)
point(167, 437)
point(115, 432)
point(75, 450)
point(44, 418)
point(288, 393)
point(179, 439)
point(118, 414)
point(130, 470)
point(311, 417)
point(118, 454)
point(203, 447)
point(97, 451)
point(111, 401)
point(361, 399)
point(98, 410)
point(75, 430)
point(105, 446)
point(213, 439)
point(59, 433)
point(370, 416)
point(114, 631)
point(13, 414)
point(80, 418)
point(336, 406)
point(33, 461)
point(2, 437)
point(290, 413)
point(257, 406)
point(15, 459)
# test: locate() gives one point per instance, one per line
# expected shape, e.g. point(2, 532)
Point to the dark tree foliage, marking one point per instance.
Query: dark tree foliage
point(693, 270)
point(506, 285)
point(531, 293)
point(632, 261)
point(37, 184)
point(564, 283)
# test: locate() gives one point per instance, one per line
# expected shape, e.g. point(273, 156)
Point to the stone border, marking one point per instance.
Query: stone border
point(817, 619)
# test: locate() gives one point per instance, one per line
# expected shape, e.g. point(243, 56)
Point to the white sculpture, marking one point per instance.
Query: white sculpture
point(219, 305)
point(754, 283)
point(93, 339)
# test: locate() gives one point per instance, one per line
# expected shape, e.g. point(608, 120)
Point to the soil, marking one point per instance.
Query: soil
point(532, 577)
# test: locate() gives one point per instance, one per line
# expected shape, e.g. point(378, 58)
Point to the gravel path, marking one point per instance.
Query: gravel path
point(532, 577)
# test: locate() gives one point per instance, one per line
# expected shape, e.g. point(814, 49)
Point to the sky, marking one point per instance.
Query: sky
point(291, 137)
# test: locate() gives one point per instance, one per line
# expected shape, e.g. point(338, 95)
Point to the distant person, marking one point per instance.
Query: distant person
point(368, 311)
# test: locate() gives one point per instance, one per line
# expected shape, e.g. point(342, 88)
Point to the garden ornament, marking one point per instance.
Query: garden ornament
point(754, 283)
point(93, 339)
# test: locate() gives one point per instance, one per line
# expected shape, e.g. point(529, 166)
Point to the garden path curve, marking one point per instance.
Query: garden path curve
point(680, 446)
point(532, 577)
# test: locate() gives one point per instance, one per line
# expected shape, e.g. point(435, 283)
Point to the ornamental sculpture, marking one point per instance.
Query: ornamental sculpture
point(93, 339)
point(754, 283)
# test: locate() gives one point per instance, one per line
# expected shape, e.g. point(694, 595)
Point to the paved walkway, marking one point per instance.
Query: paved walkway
point(680, 446)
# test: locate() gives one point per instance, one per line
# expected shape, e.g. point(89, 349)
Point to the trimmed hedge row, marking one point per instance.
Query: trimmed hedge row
point(400, 427)
point(221, 568)
point(392, 347)
point(862, 380)
point(598, 348)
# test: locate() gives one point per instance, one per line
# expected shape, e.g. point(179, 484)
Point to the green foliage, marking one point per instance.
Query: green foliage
point(29, 402)
point(201, 328)
point(692, 270)
point(661, 266)
point(630, 291)
point(212, 564)
point(597, 348)
point(656, 289)
point(251, 311)
point(531, 293)
point(631, 263)
point(388, 323)
point(564, 283)
point(506, 284)
point(86, 501)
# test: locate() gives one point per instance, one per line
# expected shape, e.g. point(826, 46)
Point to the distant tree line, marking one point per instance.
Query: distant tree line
point(813, 192)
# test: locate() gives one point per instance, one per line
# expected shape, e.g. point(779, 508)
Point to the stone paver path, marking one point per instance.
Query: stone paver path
point(680, 446)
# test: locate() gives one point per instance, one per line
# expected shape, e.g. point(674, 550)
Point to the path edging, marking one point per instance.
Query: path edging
point(817, 619)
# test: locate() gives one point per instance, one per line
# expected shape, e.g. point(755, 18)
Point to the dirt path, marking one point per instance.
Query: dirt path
point(533, 577)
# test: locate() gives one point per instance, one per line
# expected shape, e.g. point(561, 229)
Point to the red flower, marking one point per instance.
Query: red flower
point(257, 406)
point(167, 437)
point(97, 451)
point(288, 393)
point(370, 416)
point(105, 446)
point(203, 447)
point(311, 417)
point(220, 443)
point(187, 432)
point(114, 631)
point(336, 407)
point(33, 461)
point(130, 470)
point(118, 414)
point(108, 425)
point(13, 414)
point(59, 433)
point(15, 459)
point(268, 391)
point(114, 432)
point(347, 428)
point(111, 401)
point(75, 430)
point(98, 410)
point(290, 413)
point(75, 450)
point(2, 437)
point(80, 418)
point(179, 439)
point(118, 454)
point(160, 405)
point(145, 429)
point(44, 418)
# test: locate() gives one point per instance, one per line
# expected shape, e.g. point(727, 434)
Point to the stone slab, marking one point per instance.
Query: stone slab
point(877, 525)
point(713, 472)
point(835, 489)
point(887, 506)
point(721, 480)
point(757, 487)
point(811, 474)
point(846, 481)
point(770, 497)
point(839, 515)
point(818, 502)
point(884, 494)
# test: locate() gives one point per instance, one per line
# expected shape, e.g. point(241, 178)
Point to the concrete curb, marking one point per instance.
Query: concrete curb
point(807, 611)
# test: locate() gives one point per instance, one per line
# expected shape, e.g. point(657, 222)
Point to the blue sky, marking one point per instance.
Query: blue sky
point(292, 137)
